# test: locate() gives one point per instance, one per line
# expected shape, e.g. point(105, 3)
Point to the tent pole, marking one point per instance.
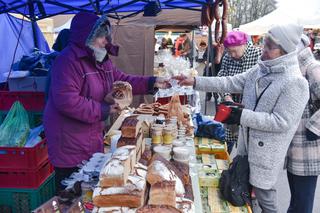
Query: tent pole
point(192, 49)
point(33, 23)
point(207, 68)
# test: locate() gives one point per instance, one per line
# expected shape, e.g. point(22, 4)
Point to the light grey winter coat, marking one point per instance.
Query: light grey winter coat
point(276, 117)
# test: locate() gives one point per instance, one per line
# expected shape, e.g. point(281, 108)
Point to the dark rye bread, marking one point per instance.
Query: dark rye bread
point(146, 157)
point(128, 141)
point(187, 184)
point(130, 127)
point(158, 209)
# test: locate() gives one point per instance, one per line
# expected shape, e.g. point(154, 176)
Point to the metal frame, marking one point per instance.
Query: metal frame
point(38, 5)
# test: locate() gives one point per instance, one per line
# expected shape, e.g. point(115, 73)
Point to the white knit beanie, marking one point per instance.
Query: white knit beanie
point(287, 36)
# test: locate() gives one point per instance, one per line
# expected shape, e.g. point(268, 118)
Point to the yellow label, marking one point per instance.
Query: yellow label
point(167, 139)
point(156, 139)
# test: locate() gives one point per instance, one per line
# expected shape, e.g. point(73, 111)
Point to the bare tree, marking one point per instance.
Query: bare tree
point(244, 11)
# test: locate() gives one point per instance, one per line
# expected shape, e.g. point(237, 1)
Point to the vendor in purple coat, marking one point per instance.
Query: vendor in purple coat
point(82, 75)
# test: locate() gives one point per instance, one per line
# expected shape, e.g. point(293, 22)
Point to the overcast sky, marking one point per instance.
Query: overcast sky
point(300, 7)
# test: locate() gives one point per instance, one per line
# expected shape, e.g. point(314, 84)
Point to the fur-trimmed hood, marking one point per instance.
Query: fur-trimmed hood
point(85, 27)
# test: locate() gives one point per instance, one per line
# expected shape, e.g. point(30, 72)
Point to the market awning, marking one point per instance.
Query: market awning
point(39, 9)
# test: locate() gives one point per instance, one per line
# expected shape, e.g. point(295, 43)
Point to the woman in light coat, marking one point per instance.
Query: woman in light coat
point(274, 95)
point(303, 158)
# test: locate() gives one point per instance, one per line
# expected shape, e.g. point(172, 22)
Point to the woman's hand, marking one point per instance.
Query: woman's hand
point(115, 109)
point(162, 83)
point(109, 99)
point(184, 80)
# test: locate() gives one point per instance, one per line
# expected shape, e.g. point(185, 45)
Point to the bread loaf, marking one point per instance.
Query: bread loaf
point(114, 210)
point(163, 193)
point(185, 205)
point(116, 171)
point(130, 127)
point(158, 209)
point(122, 93)
point(132, 194)
point(161, 170)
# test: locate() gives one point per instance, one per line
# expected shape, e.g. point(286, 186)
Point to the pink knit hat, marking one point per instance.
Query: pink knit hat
point(235, 38)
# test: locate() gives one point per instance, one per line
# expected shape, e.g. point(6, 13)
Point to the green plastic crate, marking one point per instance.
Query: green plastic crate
point(35, 118)
point(26, 200)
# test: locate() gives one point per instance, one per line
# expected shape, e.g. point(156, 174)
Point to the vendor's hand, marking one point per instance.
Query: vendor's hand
point(115, 109)
point(184, 80)
point(109, 99)
point(162, 83)
point(228, 98)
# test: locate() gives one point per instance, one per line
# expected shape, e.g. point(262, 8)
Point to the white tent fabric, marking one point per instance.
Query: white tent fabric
point(279, 16)
point(64, 26)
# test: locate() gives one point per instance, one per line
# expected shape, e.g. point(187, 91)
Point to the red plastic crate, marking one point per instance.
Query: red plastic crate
point(23, 158)
point(32, 101)
point(16, 178)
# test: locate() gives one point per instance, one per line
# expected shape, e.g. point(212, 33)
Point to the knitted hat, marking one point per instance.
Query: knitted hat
point(287, 36)
point(235, 38)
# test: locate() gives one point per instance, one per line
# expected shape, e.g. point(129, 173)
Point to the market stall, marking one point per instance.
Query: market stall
point(140, 140)
point(152, 163)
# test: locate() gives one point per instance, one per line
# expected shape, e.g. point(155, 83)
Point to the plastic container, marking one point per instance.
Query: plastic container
point(30, 83)
point(167, 135)
point(156, 134)
point(164, 151)
point(25, 200)
point(23, 158)
point(31, 101)
point(17, 178)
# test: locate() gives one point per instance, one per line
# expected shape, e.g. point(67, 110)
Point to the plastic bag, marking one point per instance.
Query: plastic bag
point(34, 136)
point(208, 128)
point(15, 128)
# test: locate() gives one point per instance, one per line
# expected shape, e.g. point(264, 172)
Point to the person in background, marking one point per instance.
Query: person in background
point(240, 56)
point(178, 46)
point(303, 157)
point(62, 40)
point(213, 67)
point(202, 49)
point(156, 46)
point(164, 44)
point(80, 97)
point(274, 97)
point(169, 43)
point(186, 48)
point(60, 43)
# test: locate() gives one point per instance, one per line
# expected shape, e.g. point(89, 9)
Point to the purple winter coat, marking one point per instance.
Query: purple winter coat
point(74, 114)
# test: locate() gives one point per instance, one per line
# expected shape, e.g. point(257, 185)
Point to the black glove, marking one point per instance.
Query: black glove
point(229, 112)
point(311, 136)
point(234, 116)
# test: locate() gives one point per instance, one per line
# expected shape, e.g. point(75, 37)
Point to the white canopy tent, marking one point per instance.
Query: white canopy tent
point(279, 16)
